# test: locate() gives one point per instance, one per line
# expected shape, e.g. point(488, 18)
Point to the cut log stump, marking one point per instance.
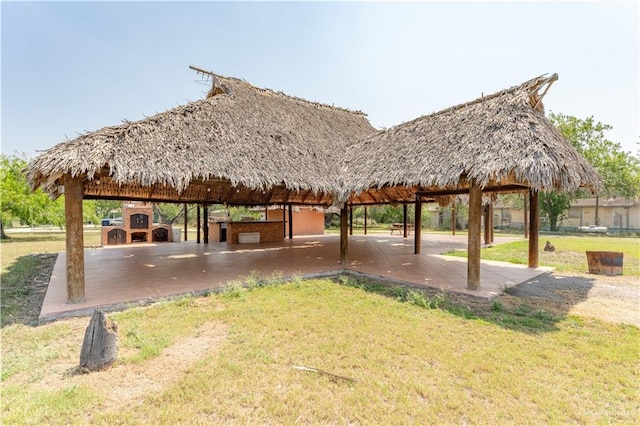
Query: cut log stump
point(100, 345)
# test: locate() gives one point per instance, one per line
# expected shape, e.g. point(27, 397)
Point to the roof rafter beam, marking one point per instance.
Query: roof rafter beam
point(459, 191)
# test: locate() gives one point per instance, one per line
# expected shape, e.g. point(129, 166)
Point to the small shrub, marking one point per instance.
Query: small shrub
point(497, 306)
point(253, 280)
point(234, 290)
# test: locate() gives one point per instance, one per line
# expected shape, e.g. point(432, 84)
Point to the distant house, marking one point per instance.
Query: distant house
point(616, 214)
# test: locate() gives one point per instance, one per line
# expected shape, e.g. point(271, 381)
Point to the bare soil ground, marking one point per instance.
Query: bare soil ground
point(613, 299)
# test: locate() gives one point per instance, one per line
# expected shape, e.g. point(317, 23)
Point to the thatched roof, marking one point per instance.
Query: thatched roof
point(245, 145)
point(502, 139)
point(241, 145)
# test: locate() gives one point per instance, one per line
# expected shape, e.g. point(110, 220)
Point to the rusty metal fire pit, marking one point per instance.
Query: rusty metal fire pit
point(605, 262)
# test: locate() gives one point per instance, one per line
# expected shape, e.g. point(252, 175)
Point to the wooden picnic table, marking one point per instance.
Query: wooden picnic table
point(400, 228)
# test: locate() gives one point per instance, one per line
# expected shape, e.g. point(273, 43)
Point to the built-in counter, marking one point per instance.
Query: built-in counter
point(269, 230)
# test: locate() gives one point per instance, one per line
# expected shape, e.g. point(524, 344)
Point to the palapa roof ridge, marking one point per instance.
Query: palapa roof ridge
point(265, 90)
point(528, 87)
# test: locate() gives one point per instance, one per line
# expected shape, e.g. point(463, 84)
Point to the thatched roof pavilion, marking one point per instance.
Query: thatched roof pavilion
point(501, 141)
point(243, 145)
point(240, 145)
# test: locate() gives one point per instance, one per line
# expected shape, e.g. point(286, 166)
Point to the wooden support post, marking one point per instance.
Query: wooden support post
point(365, 220)
point(404, 220)
point(473, 247)
point(186, 220)
point(526, 215)
point(534, 228)
point(491, 227)
point(205, 223)
point(284, 221)
point(487, 232)
point(290, 221)
point(350, 220)
point(73, 191)
point(344, 249)
point(198, 226)
point(453, 218)
point(417, 227)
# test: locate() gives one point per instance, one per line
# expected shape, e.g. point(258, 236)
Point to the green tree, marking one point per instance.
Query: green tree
point(17, 200)
point(104, 208)
point(555, 205)
point(619, 170)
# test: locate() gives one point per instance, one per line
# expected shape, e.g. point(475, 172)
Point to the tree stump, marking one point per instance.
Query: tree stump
point(549, 247)
point(100, 345)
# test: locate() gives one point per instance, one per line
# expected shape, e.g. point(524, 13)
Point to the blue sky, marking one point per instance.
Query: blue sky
point(71, 67)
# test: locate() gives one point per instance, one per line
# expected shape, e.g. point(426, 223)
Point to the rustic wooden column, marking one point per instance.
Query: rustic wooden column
point(186, 220)
point(365, 220)
point(404, 220)
point(417, 226)
point(453, 218)
point(290, 221)
point(284, 221)
point(491, 227)
point(487, 231)
point(473, 248)
point(526, 215)
point(198, 226)
point(344, 243)
point(350, 220)
point(205, 223)
point(534, 228)
point(73, 191)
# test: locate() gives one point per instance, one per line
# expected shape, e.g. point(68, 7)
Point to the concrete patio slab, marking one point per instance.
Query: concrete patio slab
point(118, 276)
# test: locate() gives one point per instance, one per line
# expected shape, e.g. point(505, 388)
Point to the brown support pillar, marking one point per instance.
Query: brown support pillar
point(186, 220)
point(404, 220)
point(205, 223)
point(453, 218)
point(526, 215)
point(350, 220)
point(365, 220)
point(344, 248)
point(73, 191)
point(290, 221)
point(534, 228)
point(417, 234)
point(284, 221)
point(491, 227)
point(198, 226)
point(487, 231)
point(473, 248)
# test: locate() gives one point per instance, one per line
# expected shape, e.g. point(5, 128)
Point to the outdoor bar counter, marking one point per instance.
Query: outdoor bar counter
point(269, 230)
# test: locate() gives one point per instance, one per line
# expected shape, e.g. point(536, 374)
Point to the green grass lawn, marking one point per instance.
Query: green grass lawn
point(570, 254)
point(410, 364)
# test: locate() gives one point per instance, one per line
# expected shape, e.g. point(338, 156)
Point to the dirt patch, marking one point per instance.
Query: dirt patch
point(612, 299)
